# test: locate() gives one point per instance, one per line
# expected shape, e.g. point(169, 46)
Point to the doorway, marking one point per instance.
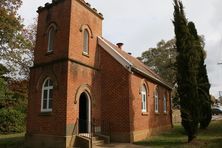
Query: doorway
point(84, 113)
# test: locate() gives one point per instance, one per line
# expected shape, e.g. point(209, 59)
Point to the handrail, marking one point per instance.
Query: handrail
point(89, 129)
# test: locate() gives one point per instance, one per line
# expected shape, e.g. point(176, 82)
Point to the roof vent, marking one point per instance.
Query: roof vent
point(120, 45)
point(129, 53)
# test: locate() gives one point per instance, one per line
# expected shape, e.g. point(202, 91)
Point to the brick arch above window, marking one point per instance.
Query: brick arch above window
point(51, 35)
point(44, 76)
point(87, 89)
point(86, 27)
point(50, 25)
point(144, 83)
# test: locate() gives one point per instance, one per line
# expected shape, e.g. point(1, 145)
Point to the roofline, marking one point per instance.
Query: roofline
point(123, 61)
point(82, 2)
point(127, 64)
point(151, 77)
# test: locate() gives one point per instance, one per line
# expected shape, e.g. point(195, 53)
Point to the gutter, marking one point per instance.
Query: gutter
point(149, 76)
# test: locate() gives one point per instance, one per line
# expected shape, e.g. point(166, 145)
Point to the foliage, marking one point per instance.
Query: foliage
point(11, 121)
point(15, 44)
point(203, 82)
point(187, 70)
point(13, 102)
point(162, 59)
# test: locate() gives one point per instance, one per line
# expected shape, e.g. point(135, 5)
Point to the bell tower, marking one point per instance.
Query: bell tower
point(66, 40)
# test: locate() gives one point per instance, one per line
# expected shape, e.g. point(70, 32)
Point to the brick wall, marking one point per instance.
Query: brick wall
point(78, 76)
point(52, 123)
point(60, 15)
point(115, 96)
point(142, 124)
point(80, 15)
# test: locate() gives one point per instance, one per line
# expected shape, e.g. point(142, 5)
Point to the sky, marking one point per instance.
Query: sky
point(141, 24)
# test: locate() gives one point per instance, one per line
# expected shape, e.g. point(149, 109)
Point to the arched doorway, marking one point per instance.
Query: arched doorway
point(84, 113)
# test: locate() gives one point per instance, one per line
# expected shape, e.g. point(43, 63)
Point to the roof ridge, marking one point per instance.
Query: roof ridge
point(135, 64)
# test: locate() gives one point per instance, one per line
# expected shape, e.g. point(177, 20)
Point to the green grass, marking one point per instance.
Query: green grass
point(176, 138)
point(12, 140)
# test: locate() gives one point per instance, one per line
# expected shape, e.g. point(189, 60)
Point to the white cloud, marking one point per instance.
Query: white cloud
point(140, 24)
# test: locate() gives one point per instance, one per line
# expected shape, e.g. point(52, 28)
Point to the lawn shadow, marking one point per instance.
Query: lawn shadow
point(209, 138)
point(12, 141)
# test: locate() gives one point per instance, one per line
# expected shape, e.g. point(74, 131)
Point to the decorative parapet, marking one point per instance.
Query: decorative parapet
point(55, 2)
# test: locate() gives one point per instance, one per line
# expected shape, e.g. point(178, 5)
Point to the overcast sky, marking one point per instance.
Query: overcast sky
point(140, 24)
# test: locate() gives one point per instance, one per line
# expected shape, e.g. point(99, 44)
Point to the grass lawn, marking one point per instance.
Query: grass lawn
point(12, 140)
point(176, 138)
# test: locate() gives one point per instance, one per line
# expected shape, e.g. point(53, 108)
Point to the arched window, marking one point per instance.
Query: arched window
point(156, 100)
point(51, 38)
point(144, 98)
point(86, 42)
point(47, 94)
point(164, 104)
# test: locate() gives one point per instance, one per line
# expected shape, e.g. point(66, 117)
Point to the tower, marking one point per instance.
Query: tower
point(65, 65)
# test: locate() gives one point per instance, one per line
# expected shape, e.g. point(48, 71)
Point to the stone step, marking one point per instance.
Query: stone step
point(98, 142)
point(94, 138)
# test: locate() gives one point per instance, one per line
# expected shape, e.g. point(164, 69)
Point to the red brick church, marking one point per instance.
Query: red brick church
point(82, 85)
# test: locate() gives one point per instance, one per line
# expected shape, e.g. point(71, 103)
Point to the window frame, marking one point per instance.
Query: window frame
point(144, 101)
point(156, 101)
point(164, 104)
point(85, 42)
point(51, 38)
point(47, 89)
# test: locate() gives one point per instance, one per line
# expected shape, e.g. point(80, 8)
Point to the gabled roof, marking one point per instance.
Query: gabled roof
point(129, 62)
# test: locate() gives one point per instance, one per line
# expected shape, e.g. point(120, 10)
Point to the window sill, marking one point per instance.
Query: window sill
point(46, 113)
point(145, 113)
point(85, 54)
point(49, 53)
point(157, 113)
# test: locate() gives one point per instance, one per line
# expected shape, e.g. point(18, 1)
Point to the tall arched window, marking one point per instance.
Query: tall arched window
point(164, 104)
point(86, 42)
point(51, 38)
point(47, 94)
point(156, 100)
point(144, 98)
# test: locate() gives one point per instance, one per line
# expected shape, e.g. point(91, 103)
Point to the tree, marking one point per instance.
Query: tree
point(15, 45)
point(162, 59)
point(187, 70)
point(16, 52)
point(202, 80)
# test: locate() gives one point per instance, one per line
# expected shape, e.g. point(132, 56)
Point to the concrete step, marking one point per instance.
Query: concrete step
point(97, 142)
point(94, 138)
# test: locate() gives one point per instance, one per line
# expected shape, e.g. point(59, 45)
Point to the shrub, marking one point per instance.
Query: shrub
point(11, 121)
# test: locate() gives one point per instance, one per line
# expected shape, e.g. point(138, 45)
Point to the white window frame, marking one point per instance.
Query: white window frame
point(51, 38)
point(156, 101)
point(164, 104)
point(85, 42)
point(144, 98)
point(47, 88)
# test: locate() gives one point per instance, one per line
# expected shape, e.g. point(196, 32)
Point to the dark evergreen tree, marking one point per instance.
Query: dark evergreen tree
point(205, 114)
point(187, 70)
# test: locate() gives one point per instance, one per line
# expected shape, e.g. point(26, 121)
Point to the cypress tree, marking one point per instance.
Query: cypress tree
point(205, 113)
point(187, 71)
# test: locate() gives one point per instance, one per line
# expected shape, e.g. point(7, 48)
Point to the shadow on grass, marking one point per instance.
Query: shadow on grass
point(12, 141)
point(211, 137)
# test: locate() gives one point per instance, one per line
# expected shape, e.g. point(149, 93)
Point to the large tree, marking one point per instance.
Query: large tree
point(203, 82)
point(15, 44)
point(162, 59)
point(187, 71)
